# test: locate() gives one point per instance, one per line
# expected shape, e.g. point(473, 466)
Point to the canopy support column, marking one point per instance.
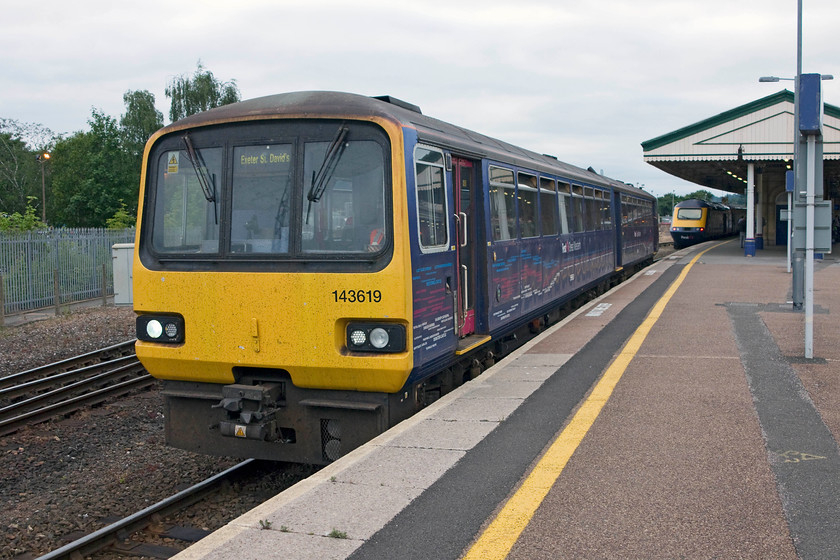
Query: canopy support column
point(749, 244)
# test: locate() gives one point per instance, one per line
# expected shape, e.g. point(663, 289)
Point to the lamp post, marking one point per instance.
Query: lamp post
point(798, 271)
point(42, 158)
point(801, 269)
point(778, 79)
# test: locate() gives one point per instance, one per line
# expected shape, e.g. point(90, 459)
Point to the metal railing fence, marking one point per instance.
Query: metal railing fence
point(55, 267)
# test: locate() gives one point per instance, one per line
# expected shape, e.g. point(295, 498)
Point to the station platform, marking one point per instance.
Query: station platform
point(673, 417)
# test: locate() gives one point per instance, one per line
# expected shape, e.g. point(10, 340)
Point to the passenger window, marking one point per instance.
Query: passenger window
point(502, 203)
point(565, 207)
point(593, 213)
point(528, 225)
point(625, 210)
point(432, 210)
point(578, 209)
point(606, 216)
point(548, 205)
point(596, 209)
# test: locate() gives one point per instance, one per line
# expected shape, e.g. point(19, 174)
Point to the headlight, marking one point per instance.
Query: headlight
point(154, 329)
point(379, 338)
point(160, 328)
point(371, 337)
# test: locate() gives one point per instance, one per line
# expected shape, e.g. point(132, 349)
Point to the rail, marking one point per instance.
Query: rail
point(110, 535)
point(97, 356)
point(40, 394)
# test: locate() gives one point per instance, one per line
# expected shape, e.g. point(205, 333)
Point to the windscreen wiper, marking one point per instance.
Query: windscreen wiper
point(205, 179)
point(322, 177)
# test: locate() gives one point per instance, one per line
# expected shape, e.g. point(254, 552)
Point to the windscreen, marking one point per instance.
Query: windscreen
point(291, 190)
point(689, 213)
point(187, 218)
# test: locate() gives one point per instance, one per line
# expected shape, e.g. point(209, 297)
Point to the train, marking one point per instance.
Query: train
point(311, 268)
point(695, 221)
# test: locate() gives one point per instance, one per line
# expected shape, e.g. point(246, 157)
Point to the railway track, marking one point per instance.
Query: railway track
point(114, 537)
point(66, 386)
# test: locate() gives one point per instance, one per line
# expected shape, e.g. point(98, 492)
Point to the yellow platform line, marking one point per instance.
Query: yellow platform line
point(502, 533)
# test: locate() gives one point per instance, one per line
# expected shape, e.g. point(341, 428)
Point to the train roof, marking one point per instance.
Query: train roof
point(697, 203)
point(429, 130)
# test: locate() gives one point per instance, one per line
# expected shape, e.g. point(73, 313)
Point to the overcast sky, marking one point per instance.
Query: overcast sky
point(585, 81)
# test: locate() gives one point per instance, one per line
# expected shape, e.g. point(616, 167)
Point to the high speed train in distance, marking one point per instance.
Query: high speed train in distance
point(695, 221)
point(312, 268)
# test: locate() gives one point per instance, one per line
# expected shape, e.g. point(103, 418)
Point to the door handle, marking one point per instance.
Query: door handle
point(465, 282)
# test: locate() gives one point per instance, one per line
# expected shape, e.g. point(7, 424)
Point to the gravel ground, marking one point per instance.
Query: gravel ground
point(43, 342)
point(66, 478)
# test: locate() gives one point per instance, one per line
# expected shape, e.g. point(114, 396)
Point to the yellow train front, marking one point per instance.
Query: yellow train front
point(695, 221)
point(272, 298)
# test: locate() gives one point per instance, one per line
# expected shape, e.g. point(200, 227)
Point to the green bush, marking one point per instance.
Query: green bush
point(16, 222)
point(121, 219)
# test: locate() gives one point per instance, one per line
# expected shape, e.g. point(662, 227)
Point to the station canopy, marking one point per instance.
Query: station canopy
point(715, 152)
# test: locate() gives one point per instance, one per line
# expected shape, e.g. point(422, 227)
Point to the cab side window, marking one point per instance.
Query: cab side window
point(432, 212)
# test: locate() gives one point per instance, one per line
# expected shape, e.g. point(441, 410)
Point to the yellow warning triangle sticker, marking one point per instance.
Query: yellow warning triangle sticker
point(240, 431)
point(172, 165)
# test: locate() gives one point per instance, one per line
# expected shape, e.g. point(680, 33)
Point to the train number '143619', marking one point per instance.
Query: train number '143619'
point(357, 296)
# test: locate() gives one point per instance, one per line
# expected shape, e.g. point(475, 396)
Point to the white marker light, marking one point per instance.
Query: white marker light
point(154, 329)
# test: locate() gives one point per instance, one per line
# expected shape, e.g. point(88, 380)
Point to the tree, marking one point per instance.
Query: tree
point(199, 93)
point(700, 195)
point(664, 205)
point(92, 175)
point(140, 120)
point(20, 174)
point(17, 173)
point(35, 136)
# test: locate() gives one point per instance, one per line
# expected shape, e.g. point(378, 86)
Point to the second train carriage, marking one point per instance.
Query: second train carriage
point(312, 268)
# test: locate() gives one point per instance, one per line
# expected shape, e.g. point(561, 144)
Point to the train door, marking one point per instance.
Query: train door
point(463, 174)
